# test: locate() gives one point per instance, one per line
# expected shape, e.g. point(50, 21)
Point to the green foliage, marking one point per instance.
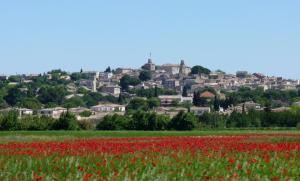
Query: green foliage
point(158, 122)
point(153, 92)
point(75, 101)
point(275, 98)
point(153, 102)
point(113, 122)
point(127, 81)
point(76, 76)
point(138, 104)
point(14, 96)
point(35, 123)
point(9, 121)
point(67, 121)
point(139, 120)
point(15, 78)
point(86, 125)
point(199, 101)
point(52, 94)
point(30, 103)
point(184, 121)
point(93, 98)
point(85, 114)
point(108, 70)
point(200, 70)
point(145, 75)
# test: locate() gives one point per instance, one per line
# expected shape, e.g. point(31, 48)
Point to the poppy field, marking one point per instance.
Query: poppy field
point(251, 156)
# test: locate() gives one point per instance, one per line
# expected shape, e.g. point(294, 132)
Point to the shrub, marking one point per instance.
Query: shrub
point(67, 121)
point(86, 125)
point(183, 121)
point(85, 114)
point(113, 122)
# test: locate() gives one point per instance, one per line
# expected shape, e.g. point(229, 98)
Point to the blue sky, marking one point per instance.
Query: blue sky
point(254, 35)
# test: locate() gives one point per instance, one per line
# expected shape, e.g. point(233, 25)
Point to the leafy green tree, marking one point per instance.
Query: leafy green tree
point(85, 114)
point(139, 121)
point(15, 78)
point(185, 90)
point(158, 122)
point(183, 121)
point(67, 121)
point(108, 69)
point(153, 102)
point(35, 123)
point(216, 104)
point(127, 81)
point(9, 121)
point(199, 101)
point(75, 101)
point(145, 75)
point(200, 70)
point(138, 104)
point(76, 76)
point(14, 96)
point(30, 103)
point(52, 94)
point(113, 122)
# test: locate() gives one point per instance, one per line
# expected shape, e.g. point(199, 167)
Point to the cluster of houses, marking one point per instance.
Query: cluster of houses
point(168, 76)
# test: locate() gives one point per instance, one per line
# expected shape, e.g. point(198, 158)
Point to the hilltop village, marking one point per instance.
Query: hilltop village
point(164, 89)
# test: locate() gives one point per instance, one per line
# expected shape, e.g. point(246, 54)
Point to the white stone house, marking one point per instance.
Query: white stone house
point(53, 112)
point(108, 108)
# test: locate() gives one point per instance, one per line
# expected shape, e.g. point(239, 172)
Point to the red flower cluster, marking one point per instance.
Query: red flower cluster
point(240, 143)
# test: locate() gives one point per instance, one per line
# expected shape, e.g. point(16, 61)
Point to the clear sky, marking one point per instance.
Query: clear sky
point(254, 35)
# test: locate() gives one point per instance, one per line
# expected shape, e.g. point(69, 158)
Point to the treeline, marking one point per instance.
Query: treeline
point(11, 121)
point(151, 121)
point(252, 119)
point(141, 120)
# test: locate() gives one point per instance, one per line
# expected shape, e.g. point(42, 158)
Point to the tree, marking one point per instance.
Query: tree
point(156, 94)
point(9, 121)
point(127, 81)
point(52, 94)
point(108, 70)
point(67, 121)
point(113, 122)
point(30, 103)
point(216, 104)
point(183, 121)
point(200, 70)
point(76, 76)
point(153, 102)
point(158, 122)
point(199, 101)
point(138, 104)
point(74, 102)
point(15, 78)
point(85, 114)
point(14, 96)
point(185, 91)
point(145, 75)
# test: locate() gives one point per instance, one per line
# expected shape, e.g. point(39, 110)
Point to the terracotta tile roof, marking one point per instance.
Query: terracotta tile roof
point(207, 94)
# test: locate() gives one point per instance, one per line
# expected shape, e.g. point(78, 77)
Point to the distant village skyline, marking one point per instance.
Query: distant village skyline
point(115, 66)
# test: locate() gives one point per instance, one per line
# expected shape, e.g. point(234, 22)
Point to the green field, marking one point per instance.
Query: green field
point(12, 136)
